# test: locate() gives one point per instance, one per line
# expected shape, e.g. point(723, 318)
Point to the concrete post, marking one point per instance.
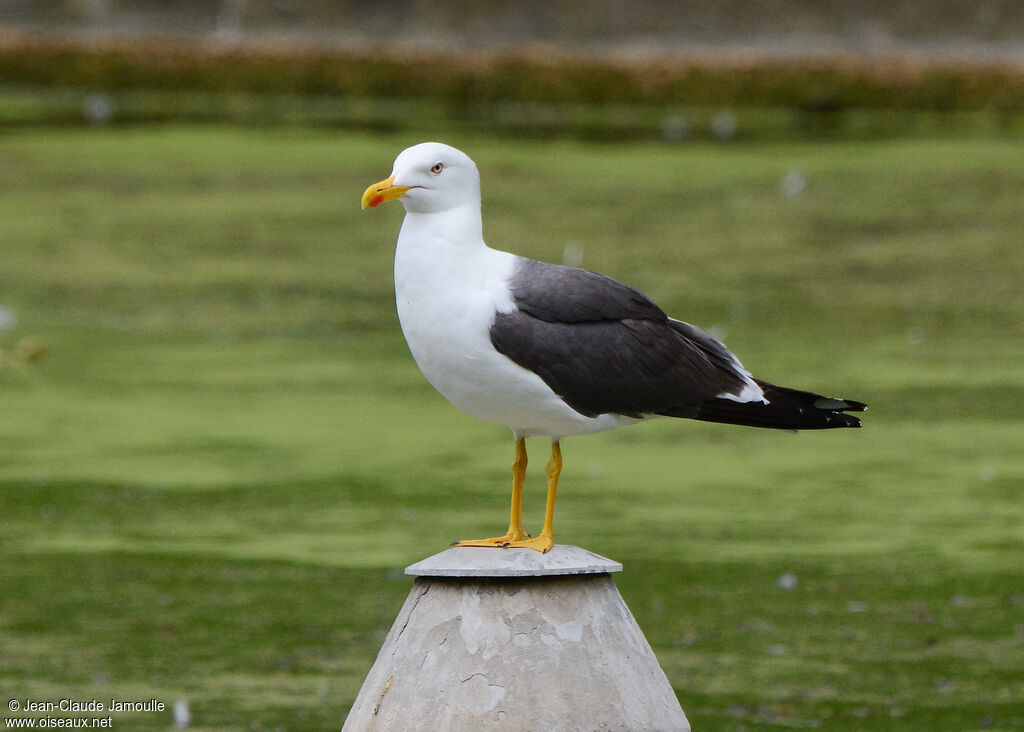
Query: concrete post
point(511, 639)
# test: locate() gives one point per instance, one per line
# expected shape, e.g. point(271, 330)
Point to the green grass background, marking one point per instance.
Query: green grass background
point(211, 483)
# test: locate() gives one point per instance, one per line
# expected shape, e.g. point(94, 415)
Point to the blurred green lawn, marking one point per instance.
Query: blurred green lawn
point(210, 484)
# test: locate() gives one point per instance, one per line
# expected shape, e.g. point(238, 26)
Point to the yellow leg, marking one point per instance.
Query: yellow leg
point(515, 525)
point(546, 540)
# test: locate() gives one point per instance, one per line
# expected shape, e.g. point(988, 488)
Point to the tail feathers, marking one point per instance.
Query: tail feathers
point(787, 409)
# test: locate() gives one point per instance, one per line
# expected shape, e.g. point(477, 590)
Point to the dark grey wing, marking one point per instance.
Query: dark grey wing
point(559, 294)
point(711, 346)
point(604, 347)
point(631, 367)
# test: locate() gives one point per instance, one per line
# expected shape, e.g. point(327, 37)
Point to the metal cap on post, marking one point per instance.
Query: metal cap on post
point(493, 639)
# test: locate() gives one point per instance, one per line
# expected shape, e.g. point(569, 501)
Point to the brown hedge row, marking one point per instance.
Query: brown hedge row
point(530, 76)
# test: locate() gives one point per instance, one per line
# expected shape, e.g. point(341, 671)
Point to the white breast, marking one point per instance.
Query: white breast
point(447, 296)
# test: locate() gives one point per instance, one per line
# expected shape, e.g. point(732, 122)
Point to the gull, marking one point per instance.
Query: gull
point(550, 350)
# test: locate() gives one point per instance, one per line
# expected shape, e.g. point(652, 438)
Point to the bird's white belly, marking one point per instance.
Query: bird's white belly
point(446, 314)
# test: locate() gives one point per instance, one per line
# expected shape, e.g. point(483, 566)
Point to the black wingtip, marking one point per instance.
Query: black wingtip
point(849, 420)
point(787, 409)
point(834, 404)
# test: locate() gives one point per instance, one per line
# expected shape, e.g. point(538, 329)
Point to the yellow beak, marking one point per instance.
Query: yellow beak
point(382, 192)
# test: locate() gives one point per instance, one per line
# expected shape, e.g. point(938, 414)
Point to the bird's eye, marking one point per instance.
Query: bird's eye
point(438, 167)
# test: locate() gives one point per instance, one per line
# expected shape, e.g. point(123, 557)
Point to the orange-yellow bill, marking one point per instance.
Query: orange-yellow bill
point(382, 192)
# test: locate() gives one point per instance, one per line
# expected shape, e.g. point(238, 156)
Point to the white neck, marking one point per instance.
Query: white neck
point(441, 257)
point(460, 226)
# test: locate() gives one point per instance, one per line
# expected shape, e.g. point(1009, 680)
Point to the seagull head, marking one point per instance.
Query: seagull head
point(428, 178)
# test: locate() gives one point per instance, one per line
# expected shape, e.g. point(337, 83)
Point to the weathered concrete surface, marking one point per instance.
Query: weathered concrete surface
point(464, 561)
point(555, 653)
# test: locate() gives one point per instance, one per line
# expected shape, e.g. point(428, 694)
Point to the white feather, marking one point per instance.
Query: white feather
point(449, 285)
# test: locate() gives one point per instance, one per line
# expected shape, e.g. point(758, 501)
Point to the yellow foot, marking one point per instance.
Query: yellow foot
point(540, 544)
point(498, 541)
